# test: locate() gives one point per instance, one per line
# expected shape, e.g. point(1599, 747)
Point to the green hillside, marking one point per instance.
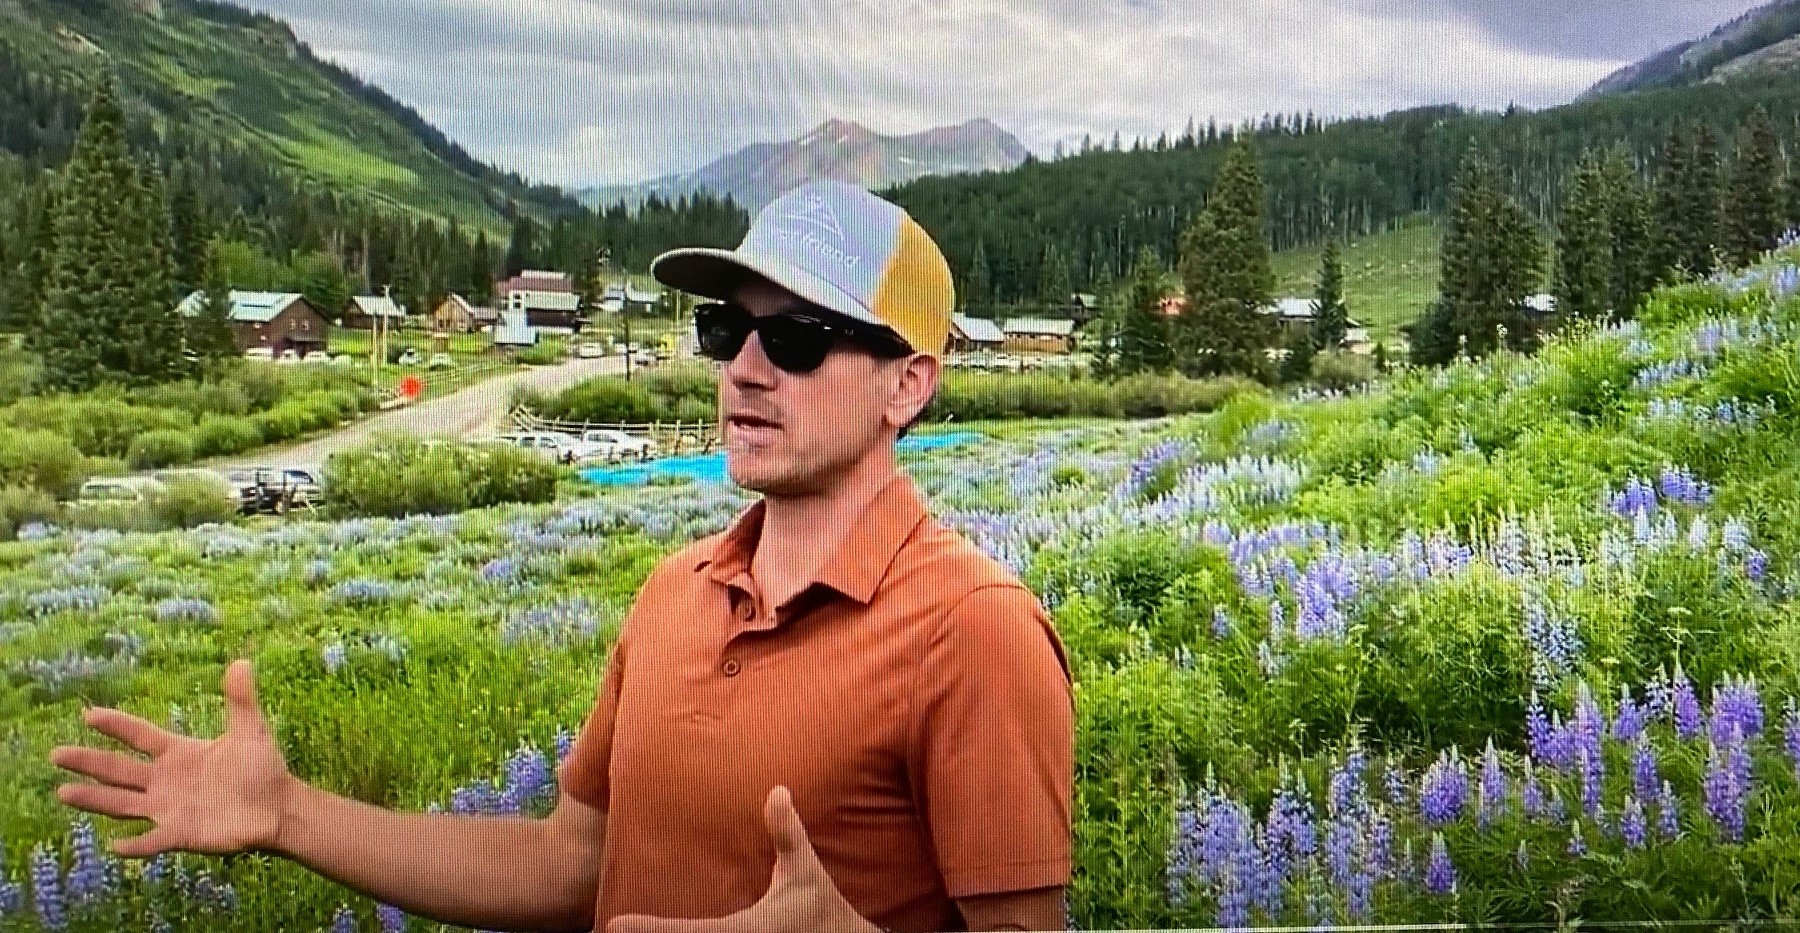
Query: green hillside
point(1389, 277)
point(208, 71)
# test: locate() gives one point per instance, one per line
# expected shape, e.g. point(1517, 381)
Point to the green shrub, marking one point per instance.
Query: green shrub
point(398, 476)
point(22, 505)
point(41, 460)
point(217, 435)
point(191, 502)
point(603, 400)
point(541, 354)
point(1341, 370)
point(154, 449)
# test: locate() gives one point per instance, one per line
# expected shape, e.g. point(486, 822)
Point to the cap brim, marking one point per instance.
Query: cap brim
point(719, 273)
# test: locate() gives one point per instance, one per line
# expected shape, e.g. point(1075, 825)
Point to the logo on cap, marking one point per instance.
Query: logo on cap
point(813, 210)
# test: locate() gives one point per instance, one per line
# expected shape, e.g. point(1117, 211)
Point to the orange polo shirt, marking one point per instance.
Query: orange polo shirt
point(915, 700)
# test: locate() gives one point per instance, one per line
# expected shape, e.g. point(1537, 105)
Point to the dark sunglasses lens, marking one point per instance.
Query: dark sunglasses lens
point(721, 330)
point(794, 345)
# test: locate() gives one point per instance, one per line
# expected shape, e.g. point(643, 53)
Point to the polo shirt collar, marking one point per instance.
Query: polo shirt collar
point(859, 562)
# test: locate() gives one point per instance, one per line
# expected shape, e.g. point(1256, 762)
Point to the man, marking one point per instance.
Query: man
point(836, 716)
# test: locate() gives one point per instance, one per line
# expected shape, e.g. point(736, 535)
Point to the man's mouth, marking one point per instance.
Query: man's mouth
point(751, 422)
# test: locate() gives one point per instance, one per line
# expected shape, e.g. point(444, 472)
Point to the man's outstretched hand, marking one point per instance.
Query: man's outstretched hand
point(214, 796)
point(801, 897)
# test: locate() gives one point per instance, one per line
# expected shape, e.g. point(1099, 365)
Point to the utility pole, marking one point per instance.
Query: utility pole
point(605, 263)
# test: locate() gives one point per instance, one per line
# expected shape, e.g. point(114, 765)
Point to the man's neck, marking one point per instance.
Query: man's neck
point(800, 532)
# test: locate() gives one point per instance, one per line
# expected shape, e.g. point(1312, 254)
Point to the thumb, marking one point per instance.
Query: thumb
point(241, 709)
point(784, 824)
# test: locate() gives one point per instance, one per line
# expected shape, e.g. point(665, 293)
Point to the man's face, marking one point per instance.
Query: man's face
point(790, 434)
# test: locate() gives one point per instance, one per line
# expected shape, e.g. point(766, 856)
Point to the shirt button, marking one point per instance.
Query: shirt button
point(731, 667)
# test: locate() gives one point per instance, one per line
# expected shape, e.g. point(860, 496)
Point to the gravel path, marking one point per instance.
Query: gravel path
point(478, 409)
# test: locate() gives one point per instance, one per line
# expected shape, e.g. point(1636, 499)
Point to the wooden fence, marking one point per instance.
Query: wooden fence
point(673, 437)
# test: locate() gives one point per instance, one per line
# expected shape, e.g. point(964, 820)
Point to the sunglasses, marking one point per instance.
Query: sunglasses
point(795, 341)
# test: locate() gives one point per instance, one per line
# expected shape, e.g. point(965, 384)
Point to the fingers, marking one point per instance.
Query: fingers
point(110, 801)
point(113, 768)
point(154, 842)
point(241, 710)
point(639, 923)
point(137, 733)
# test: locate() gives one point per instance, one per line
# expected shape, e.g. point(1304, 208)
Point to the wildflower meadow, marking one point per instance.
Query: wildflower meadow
point(1513, 640)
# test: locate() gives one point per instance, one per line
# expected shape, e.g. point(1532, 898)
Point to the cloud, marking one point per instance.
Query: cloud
point(603, 91)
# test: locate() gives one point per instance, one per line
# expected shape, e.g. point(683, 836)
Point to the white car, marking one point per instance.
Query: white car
point(259, 353)
point(409, 358)
point(617, 443)
point(441, 361)
point(590, 351)
point(118, 489)
point(555, 445)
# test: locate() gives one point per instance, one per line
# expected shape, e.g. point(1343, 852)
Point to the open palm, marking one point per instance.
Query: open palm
point(216, 796)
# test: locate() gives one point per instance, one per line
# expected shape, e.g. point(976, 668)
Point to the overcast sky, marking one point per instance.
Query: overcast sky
point(581, 92)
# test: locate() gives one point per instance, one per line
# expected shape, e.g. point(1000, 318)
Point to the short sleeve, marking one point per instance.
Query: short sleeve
point(585, 773)
point(992, 755)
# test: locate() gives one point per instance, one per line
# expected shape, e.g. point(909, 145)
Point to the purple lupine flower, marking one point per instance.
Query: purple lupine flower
point(1184, 851)
point(1668, 813)
point(1791, 736)
point(1289, 831)
point(1555, 644)
point(343, 921)
point(1397, 785)
point(1737, 706)
point(1593, 776)
point(1735, 535)
point(1631, 823)
point(1644, 773)
point(1221, 623)
point(1378, 855)
point(1537, 728)
point(12, 898)
point(1556, 809)
point(335, 655)
point(1756, 566)
point(1727, 786)
point(1345, 788)
point(1587, 722)
point(1577, 845)
point(1492, 787)
point(1359, 896)
point(1637, 498)
point(1631, 719)
point(1440, 873)
point(1531, 794)
point(1689, 720)
point(88, 879)
point(47, 890)
point(1678, 485)
point(1342, 834)
point(1444, 789)
point(565, 743)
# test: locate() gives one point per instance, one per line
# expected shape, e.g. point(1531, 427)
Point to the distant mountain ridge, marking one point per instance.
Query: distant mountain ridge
point(1762, 41)
point(835, 149)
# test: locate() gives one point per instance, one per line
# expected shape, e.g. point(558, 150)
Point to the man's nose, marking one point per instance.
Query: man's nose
point(751, 366)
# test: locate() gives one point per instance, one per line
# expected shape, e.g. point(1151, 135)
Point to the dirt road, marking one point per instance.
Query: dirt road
point(476, 410)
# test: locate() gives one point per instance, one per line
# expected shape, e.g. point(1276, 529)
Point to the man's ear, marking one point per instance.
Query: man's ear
point(915, 382)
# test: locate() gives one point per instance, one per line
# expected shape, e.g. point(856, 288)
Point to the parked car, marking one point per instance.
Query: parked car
point(278, 489)
point(410, 357)
point(555, 445)
point(343, 359)
point(259, 353)
point(590, 351)
point(118, 489)
point(616, 443)
point(244, 494)
point(441, 361)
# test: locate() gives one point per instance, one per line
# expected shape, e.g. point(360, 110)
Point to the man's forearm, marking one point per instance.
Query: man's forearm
point(505, 873)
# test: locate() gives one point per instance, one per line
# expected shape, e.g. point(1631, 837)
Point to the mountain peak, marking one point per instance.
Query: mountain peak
point(839, 149)
point(1759, 41)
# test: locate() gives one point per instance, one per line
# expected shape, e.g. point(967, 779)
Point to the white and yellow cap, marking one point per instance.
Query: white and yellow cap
point(839, 247)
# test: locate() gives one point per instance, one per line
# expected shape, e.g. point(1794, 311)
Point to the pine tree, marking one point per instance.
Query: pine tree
point(1584, 259)
point(1492, 261)
point(1143, 331)
point(1331, 317)
point(1296, 365)
point(521, 249)
point(1226, 274)
point(1054, 287)
point(152, 323)
point(1702, 201)
point(105, 264)
point(1672, 235)
point(1755, 203)
point(209, 335)
point(188, 227)
point(1628, 210)
point(22, 298)
point(978, 292)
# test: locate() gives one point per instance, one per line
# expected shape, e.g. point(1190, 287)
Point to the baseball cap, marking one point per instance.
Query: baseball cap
point(839, 247)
